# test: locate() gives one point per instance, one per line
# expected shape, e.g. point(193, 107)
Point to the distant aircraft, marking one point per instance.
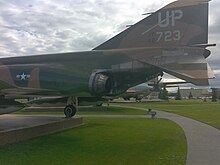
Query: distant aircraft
point(155, 85)
point(158, 84)
point(137, 92)
point(173, 40)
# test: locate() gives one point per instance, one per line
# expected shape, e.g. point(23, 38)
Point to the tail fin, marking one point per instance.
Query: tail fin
point(181, 23)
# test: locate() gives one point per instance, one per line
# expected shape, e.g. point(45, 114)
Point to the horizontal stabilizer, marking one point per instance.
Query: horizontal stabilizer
point(188, 64)
point(197, 77)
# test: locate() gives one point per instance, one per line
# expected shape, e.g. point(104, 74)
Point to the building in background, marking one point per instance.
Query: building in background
point(195, 93)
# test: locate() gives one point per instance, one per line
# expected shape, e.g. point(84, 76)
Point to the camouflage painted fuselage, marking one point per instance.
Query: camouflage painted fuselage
point(69, 73)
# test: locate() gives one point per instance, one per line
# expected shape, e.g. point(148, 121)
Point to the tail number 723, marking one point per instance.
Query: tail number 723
point(168, 36)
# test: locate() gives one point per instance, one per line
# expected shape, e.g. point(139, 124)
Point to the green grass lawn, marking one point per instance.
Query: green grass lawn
point(207, 112)
point(105, 111)
point(115, 111)
point(105, 141)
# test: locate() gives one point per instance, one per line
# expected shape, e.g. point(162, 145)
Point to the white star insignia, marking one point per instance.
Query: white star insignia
point(23, 76)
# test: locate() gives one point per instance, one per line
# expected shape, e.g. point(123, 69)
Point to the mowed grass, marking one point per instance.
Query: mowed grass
point(104, 141)
point(111, 110)
point(207, 112)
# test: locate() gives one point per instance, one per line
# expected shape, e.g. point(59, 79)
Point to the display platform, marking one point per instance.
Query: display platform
point(16, 128)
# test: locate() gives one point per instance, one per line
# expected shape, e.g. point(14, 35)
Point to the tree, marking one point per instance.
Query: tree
point(214, 96)
point(163, 94)
point(190, 95)
point(178, 95)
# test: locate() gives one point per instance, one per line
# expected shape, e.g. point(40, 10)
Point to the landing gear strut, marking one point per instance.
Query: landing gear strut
point(71, 108)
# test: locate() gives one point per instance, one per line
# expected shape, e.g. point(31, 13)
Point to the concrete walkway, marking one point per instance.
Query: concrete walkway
point(203, 141)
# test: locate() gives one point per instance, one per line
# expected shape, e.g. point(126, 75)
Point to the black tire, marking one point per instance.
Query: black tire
point(69, 111)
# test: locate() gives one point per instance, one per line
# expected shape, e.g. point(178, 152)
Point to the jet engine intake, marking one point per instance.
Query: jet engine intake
point(100, 84)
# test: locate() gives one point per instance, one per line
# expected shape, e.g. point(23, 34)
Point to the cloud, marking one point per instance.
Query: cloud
point(38, 26)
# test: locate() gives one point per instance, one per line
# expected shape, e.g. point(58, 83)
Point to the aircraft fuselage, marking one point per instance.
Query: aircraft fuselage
point(71, 73)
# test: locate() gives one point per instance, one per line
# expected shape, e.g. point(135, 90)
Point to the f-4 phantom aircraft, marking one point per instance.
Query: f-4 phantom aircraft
point(173, 39)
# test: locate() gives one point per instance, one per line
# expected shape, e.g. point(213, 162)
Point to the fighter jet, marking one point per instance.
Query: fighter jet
point(155, 85)
point(173, 39)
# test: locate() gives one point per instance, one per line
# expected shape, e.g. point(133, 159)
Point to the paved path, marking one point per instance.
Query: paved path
point(203, 141)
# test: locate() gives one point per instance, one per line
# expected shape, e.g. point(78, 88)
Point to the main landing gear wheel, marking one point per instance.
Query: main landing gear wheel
point(69, 111)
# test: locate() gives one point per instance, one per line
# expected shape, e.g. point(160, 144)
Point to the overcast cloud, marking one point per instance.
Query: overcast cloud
point(52, 26)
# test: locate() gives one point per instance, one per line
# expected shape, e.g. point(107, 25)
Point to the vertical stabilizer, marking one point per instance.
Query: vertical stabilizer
point(181, 23)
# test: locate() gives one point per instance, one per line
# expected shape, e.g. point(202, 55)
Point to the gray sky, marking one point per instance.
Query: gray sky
point(52, 26)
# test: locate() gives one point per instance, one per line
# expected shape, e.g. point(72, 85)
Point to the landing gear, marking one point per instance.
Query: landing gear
point(69, 111)
point(71, 108)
